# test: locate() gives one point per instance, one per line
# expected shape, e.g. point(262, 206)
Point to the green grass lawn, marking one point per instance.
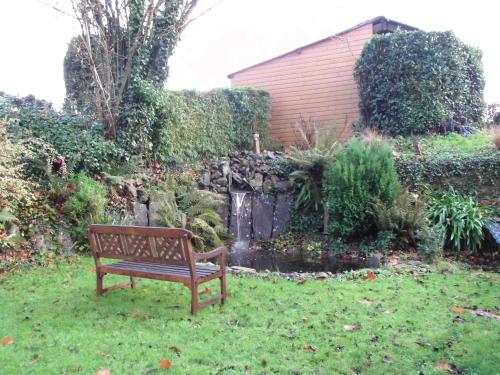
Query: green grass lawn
point(406, 325)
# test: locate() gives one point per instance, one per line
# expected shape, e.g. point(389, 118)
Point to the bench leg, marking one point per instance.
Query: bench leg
point(132, 282)
point(223, 288)
point(99, 284)
point(194, 298)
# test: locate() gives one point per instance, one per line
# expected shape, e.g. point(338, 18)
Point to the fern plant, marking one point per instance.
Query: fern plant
point(310, 160)
point(403, 217)
point(6, 218)
point(195, 210)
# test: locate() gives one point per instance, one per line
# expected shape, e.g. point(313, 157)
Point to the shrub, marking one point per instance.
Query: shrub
point(360, 174)
point(76, 138)
point(302, 221)
point(13, 185)
point(415, 82)
point(496, 118)
point(462, 218)
point(85, 206)
point(430, 241)
point(495, 139)
point(382, 244)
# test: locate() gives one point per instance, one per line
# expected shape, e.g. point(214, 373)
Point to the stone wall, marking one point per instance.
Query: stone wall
point(247, 171)
point(265, 210)
point(262, 216)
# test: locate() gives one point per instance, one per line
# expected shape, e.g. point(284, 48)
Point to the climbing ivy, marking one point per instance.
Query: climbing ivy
point(76, 138)
point(482, 169)
point(418, 82)
point(173, 127)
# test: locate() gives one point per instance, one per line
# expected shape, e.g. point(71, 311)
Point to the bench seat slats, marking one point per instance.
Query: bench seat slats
point(160, 269)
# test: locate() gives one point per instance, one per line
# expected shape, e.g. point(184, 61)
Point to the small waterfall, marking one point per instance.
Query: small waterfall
point(239, 198)
point(240, 246)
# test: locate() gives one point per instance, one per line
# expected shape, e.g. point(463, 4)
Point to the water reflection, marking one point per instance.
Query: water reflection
point(243, 254)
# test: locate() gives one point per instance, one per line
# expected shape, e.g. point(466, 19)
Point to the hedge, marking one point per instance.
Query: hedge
point(474, 170)
point(195, 125)
point(174, 127)
point(418, 82)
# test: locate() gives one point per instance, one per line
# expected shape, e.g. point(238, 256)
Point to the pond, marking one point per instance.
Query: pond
point(245, 254)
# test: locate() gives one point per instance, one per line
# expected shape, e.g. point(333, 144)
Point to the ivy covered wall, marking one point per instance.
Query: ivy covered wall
point(196, 125)
point(174, 127)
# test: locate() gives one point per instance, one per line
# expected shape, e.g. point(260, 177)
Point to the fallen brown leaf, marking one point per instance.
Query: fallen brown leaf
point(450, 368)
point(393, 260)
point(103, 354)
point(369, 276)
point(207, 290)
point(443, 365)
point(459, 310)
point(7, 340)
point(309, 348)
point(352, 327)
point(135, 314)
point(175, 349)
point(103, 372)
point(165, 363)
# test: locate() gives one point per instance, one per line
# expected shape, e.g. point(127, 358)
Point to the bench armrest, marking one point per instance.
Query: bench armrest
point(220, 251)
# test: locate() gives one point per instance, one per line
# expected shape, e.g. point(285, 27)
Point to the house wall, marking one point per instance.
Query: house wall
point(315, 84)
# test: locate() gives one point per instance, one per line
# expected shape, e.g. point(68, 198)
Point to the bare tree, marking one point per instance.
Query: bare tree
point(126, 39)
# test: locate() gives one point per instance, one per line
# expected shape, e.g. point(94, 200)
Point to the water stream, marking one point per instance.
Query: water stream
point(239, 198)
point(241, 246)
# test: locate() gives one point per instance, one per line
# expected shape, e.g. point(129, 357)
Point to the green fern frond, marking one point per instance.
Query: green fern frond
point(6, 216)
point(195, 210)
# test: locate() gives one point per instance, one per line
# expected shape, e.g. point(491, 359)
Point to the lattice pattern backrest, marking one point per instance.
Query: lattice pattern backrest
point(159, 245)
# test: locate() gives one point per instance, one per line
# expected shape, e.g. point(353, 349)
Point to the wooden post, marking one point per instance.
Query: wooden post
point(256, 143)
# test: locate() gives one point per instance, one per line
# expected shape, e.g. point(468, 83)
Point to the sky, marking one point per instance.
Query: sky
point(232, 35)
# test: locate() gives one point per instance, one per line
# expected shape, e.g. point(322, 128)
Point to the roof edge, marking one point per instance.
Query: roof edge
point(376, 20)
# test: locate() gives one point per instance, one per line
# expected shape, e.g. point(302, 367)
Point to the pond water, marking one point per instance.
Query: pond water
point(243, 254)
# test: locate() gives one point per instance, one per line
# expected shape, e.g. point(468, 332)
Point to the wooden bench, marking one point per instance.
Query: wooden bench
point(155, 253)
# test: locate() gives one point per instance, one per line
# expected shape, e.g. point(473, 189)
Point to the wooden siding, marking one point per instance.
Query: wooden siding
point(315, 83)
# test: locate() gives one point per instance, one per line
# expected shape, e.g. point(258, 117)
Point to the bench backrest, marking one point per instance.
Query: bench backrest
point(143, 244)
